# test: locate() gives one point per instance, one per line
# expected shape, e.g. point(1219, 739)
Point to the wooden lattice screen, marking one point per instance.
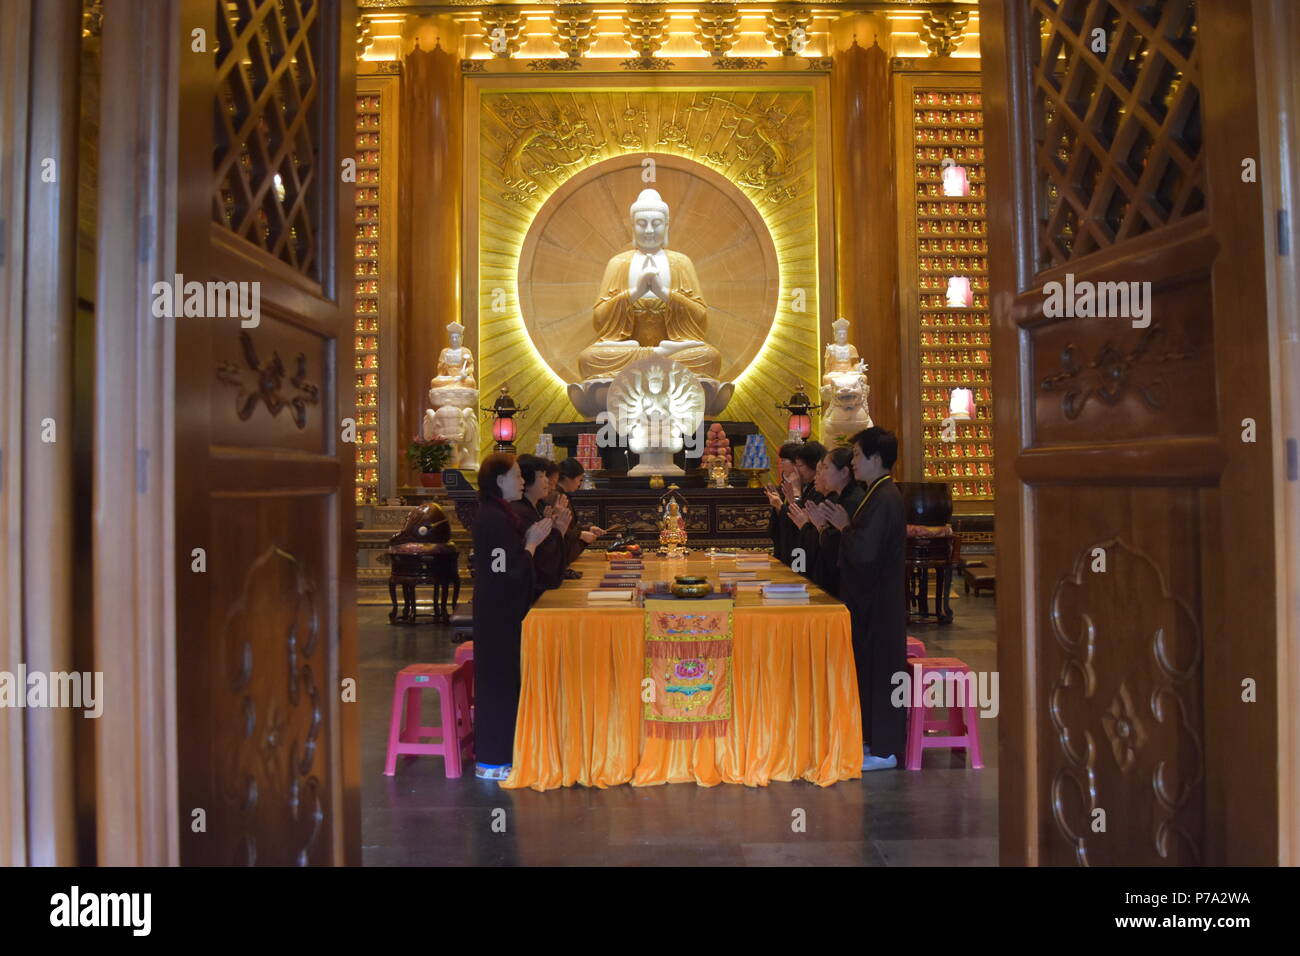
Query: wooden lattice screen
point(1117, 119)
point(267, 119)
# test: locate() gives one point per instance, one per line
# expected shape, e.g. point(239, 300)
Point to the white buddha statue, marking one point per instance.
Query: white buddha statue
point(844, 391)
point(650, 302)
point(453, 400)
point(456, 362)
point(650, 305)
point(843, 364)
point(656, 404)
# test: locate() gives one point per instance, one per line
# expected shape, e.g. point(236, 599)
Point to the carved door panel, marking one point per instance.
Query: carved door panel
point(1116, 133)
point(263, 476)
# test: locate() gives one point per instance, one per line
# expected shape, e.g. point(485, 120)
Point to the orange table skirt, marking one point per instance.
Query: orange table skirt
point(795, 712)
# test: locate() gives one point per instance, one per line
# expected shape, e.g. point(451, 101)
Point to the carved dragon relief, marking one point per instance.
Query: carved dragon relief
point(266, 383)
point(1146, 718)
point(268, 779)
point(552, 140)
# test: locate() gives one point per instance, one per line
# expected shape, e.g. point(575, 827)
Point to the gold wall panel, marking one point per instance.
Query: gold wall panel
point(762, 141)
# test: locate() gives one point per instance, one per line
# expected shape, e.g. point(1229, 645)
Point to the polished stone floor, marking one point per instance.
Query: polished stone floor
point(944, 815)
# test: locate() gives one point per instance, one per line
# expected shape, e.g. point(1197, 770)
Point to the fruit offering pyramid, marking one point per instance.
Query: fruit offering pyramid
point(755, 453)
point(588, 454)
point(717, 445)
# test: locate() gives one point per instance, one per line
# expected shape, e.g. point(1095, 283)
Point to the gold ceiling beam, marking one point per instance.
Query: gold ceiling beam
point(820, 8)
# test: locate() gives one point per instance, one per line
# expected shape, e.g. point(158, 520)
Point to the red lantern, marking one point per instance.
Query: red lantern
point(799, 406)
point(503, 410)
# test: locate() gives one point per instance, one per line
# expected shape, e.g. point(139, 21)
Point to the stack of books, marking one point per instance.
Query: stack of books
point(789, 593)
point(737, 575)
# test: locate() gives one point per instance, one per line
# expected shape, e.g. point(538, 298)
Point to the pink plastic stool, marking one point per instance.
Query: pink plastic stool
point(450, 681)
point(915, 646)
point(465, 655)
point(961, 724)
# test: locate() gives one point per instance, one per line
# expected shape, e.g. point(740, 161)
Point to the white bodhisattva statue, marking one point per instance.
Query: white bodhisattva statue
point(844, 391)
point(653, 404)
point(453, 400)
point(650, 304)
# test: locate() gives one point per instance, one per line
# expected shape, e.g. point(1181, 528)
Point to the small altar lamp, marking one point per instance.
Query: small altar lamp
point(956, 182)
point(960, 294)
point(799, 406)
point(504, 410)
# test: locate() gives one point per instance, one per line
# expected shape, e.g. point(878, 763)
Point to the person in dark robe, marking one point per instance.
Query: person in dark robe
point(798, 463)
point(548, 562)
point(503, 592)
point(871, 544)
point(579, 536)
point(778, 524)
point(836, 483)
point(801, 490)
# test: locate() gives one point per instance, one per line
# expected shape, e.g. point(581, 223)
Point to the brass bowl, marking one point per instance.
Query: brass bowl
point(691, 586)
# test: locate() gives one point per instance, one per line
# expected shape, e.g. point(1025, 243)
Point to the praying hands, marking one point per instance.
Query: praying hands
point(836, 515)
point(816, 512)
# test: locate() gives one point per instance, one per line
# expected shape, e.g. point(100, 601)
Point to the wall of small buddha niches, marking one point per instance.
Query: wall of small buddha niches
point(944, 271)
point(374, 274)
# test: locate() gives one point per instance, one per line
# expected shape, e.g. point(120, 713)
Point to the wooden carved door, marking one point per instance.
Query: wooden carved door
point(1137, 629)
point(264, 473)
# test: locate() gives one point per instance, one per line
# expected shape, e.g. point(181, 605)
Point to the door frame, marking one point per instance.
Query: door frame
point(134, 613)
point(1240, 745)
point(136, 447)
point(1277, 36)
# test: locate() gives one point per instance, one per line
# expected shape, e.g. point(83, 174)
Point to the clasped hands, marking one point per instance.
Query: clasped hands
point(561, 514)
point(650, 282)
point(820, 513)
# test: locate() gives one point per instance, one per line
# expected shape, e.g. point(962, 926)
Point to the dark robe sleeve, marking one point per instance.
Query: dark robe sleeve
point(548, 557)
point(869, 539)
point(805, 537)
point(573, 544)
point(503, 568)
point(827, 572)
point(808, 539)
point(777, 524)
point(549, 561)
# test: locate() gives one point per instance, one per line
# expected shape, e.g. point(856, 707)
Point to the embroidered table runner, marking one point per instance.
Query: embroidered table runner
point(688, 662)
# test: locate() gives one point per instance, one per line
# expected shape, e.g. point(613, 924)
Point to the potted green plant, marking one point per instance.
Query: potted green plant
point(429, 456)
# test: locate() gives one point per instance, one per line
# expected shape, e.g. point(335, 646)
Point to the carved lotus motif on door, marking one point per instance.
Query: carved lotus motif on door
point(1126, 709)
point(271, 638)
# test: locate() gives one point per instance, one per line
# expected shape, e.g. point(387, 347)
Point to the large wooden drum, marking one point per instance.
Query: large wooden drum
point(926, 502)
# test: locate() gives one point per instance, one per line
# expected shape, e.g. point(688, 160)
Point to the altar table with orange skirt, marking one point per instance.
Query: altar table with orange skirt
point(794, 713)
